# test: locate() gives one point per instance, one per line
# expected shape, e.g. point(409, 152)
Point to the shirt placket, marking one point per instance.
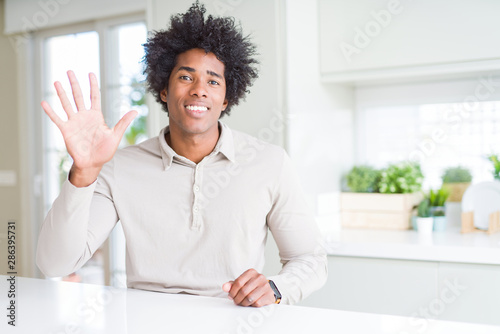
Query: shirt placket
point(196, 209)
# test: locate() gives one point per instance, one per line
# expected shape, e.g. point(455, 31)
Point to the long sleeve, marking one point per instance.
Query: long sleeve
point(298, 238)
point(78, 223)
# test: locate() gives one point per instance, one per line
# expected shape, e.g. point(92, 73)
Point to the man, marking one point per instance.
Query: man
point(197, 201)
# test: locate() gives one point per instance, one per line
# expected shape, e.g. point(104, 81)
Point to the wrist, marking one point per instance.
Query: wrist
point(83, 177)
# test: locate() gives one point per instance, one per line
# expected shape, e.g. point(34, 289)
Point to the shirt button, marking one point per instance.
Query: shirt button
point(195, 209)
point(196, 188)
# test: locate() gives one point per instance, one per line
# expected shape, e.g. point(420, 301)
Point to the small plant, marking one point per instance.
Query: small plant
point(424, 209)
point(401, 179)
point(496, 165)
point(436, 201)
point(363, 179)
point(456, 175)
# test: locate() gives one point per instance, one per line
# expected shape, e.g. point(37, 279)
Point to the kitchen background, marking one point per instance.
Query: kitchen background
point(342, 83)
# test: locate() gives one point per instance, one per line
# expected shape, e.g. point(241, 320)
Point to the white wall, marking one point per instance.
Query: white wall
point(320, 132)
point(30, 15)
point(10, 195)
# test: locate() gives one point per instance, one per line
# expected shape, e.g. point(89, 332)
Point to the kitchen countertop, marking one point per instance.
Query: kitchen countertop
point(446, 246)
point(44, 306)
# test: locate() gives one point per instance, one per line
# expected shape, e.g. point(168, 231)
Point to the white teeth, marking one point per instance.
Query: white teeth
point(196, 108)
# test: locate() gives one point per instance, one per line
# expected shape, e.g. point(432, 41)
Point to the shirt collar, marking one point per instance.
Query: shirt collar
point(225, 145)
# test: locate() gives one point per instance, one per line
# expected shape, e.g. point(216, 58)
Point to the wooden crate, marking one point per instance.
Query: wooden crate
point(378, 211)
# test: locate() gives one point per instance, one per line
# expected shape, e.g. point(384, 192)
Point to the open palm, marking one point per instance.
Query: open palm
point(89, 141)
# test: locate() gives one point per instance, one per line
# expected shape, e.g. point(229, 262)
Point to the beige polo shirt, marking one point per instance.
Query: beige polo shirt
point(190, 227)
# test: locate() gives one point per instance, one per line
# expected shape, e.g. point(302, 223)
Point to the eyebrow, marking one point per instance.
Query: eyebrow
point(191, 70)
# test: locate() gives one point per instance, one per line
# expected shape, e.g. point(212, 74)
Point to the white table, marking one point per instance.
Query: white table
point(44, 306)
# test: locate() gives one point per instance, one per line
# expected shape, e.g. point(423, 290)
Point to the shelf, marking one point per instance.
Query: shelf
point(447, 246)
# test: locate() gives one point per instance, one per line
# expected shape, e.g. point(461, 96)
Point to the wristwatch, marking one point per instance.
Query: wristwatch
point(277, 293)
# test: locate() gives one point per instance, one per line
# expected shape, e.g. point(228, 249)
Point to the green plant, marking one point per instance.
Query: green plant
point(401, 179)
point(363, 179)
point(137, 128)
point(64, 166)
point(424, 209)
point(496, 165)
point(137, 100)
point(437, 199)
point(456, 175)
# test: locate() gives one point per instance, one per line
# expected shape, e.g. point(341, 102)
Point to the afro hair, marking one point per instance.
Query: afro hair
point(218, 35)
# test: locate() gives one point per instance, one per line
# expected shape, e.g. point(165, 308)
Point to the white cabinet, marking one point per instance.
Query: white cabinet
point(380, 39)
point(477, 291)
point(421, 290)
point(376, 286)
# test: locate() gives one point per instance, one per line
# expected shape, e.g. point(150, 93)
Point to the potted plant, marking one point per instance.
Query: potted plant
point(456, 180)
point(437, 201)
point(381, 199)
point(424, 220)
point(363, 179)
point(401, 179)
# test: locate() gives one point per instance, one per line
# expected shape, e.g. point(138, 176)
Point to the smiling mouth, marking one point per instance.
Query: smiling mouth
point(196, 108)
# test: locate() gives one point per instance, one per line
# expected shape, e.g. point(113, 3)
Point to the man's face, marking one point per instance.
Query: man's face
point(196, 93)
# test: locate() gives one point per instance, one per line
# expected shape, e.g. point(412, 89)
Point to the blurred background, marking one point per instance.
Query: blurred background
point(342, 84)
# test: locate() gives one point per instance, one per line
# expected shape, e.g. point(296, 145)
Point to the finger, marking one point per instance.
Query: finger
point(227, 286)
point(251, 298)
point(244, 296)
point(52, 115)
point(77, 92)
point(124, 122)
point(241, 281)
point(66, 104)
point(264, 300)
point(261, 296)
point(95, 94)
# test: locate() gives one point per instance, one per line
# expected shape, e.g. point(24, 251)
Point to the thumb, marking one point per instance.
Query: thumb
point(227, 286)
point(124, 122)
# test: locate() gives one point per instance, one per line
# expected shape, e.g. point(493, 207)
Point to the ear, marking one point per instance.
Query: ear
point(163, 95)
point(224, 105)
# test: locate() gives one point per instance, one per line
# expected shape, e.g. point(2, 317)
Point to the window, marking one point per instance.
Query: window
point(437, 135)
point(112, 49)
point(79, 52)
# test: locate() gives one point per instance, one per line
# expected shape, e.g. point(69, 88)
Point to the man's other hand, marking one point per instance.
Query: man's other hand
point(250, 289)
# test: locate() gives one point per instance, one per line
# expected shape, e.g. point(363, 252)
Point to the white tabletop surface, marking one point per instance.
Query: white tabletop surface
point(44, 306)
point(446, 246)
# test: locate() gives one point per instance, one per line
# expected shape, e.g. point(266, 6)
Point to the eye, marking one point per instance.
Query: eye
point(185, 77)
point(213, 82)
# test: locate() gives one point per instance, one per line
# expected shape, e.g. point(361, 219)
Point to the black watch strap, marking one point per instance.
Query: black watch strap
point(277, 293)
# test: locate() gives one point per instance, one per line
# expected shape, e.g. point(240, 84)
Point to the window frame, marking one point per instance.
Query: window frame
point(34, 83)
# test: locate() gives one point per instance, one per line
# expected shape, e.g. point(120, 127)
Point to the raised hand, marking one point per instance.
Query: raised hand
point(89, 141)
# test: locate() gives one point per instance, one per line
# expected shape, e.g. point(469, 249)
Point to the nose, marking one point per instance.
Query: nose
point(198, 89)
